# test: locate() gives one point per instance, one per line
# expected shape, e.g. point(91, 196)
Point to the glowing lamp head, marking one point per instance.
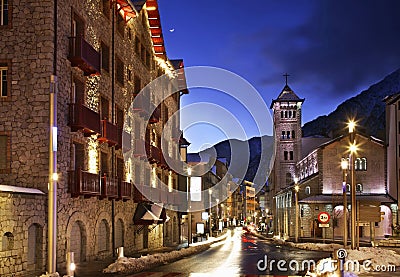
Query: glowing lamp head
point(296, 188)
point(353, 148)
point(351, 126)
point(189, 171)
point(296, 180)
point(72, 266)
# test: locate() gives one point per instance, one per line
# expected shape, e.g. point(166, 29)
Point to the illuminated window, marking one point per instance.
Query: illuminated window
point(359, 188)
point(308, 190)
point(360, 164)
point(283, 134)
point(4, 12)
point(3, 81)
point(288, 134)
point(8, 241)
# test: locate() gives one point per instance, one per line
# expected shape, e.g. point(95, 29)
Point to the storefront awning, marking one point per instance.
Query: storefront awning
point(316, 199)
point(149, 213)
point(15, 189)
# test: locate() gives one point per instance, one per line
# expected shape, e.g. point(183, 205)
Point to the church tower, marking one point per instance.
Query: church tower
point(287, 124)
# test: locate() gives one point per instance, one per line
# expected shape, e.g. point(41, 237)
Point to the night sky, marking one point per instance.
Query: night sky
point(332, 50)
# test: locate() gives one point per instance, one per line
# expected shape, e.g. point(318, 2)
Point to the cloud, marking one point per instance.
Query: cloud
point(341, 43)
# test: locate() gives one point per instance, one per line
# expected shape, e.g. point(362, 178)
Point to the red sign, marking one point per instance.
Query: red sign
point(324, 217)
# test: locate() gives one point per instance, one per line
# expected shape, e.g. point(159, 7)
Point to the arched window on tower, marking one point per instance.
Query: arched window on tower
point(289, 179)
point(281, 114)
point(285, 155)
point(283, 134)
point(288, 134)
point(291, 155)
point(285, 114)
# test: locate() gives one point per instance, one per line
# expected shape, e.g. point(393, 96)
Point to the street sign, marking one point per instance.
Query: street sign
point(324, 217)
point(323, 225)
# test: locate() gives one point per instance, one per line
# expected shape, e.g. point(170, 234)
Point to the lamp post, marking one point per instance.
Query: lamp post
point(189, 172)
point(210, 213)
point(344, 165)
point(353, 149)
point(296, 196)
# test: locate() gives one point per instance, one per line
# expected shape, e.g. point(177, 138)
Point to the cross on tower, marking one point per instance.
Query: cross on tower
point(286, 75)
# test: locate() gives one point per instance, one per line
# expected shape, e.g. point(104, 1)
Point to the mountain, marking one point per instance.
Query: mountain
point(255, 151)
point(367, 107)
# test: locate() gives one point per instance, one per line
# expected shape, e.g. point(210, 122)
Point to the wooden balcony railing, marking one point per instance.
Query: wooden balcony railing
point(153, 154)
point(140, 148)
point(156, 115)
point(83, 118)
point(153, 194)
point(84, 183)
point(109, 133)
point(109, 187)
point(141, 104)
point(124, 141)
point(84, 56)
point(124, 190)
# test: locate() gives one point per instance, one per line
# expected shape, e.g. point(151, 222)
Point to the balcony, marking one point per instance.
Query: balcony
point(83, 118)
point(155, 116)
point(153, 194)
point(109, 187)
point(140, 148)
point(141, 105)
point(109, 133)
point(153, 154)
point(124, 190)
point(84, 56)
point(124, 141)
point(83, 183)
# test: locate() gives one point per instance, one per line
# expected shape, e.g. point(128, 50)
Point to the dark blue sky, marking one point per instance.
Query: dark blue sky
point(332, 50)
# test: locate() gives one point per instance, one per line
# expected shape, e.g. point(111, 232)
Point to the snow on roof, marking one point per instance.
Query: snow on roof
point(15, 189)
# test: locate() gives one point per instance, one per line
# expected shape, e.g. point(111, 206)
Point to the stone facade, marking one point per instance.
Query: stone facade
point(90, 227)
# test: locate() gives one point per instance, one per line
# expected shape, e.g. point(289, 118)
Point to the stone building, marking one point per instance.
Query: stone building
point(393, 147)
point(287, 125)
point(97, 55)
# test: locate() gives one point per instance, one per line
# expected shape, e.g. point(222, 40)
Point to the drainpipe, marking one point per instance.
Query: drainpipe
point(114, 11)
point(52, 185)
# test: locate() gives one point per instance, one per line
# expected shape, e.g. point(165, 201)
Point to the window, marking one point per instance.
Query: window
point(79, 155)
point(120, 24)
point(129, 74)
point(285, 114)
point(290, 113)
point(105, 57)
point(348, 188)
point(360, 164)
point(4, 9)
point(293, 134)
point(359, 188)
point(285, 155)
point(288, 134)
point(78, 91)
point(308, 190)
point(104, 164)
point(291, 155)
point(8, 241)
point(137, 45)
point(283, 134)
point(281, 114)
point(294, 114)
point(5, 153)
point(106, 8)
point(120, 71)
point(105, 108)
point(137, 85)
point(3, 80)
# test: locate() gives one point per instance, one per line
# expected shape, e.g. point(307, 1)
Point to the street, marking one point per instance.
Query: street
point(240, 254)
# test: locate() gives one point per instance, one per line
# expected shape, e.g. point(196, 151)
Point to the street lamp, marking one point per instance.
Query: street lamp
point(352, 149)
point(210, 211)
point(344, 164)
point(296, 196)
point(189, 172)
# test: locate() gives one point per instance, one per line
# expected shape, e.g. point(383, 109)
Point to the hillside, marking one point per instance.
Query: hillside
point(367, 107)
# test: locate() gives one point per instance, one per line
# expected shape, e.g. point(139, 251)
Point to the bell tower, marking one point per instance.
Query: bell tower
point(287, 125)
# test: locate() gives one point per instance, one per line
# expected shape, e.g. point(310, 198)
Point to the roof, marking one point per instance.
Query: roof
point(390, 99)
point(329, 198)
point(15, 189)
point(287, 95)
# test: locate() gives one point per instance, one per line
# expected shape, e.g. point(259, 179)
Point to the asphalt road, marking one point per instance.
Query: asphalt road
point(240, 255)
